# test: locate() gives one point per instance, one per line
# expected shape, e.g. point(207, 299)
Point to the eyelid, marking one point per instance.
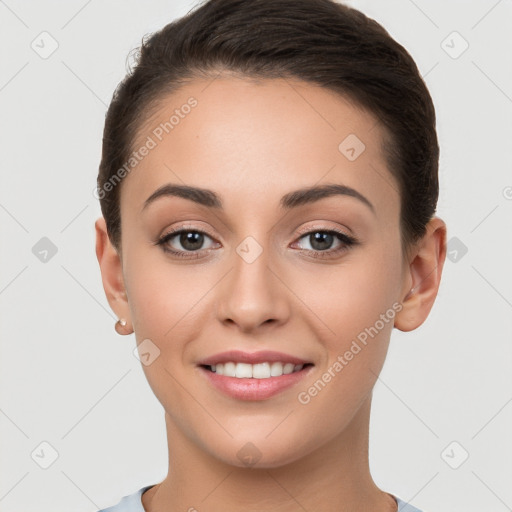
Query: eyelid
point(323, 227)
point(303, 231)
point(341, 234)
point(347, 241)
point(184, 227)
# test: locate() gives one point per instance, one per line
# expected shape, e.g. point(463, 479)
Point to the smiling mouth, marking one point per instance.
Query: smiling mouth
point(255, 371)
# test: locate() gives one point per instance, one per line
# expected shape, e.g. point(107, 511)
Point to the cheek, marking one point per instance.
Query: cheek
point(361, 322)
point(162, 296)
point(170, 305)
point(351, 296)
point(355, 306)
point(164, 303)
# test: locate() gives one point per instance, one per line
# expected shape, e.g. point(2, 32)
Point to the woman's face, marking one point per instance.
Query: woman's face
point(259, 267)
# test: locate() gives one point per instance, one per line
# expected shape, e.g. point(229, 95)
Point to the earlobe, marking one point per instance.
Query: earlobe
point(424, 276)
point(122, 327)
point(112, 275)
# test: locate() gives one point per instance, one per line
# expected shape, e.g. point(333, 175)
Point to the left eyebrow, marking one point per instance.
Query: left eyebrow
point(312, 194)
point(202, 196)
point(300, 197)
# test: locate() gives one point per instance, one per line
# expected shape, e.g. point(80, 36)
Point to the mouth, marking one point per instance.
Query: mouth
point(263, 370)
point(254, 376)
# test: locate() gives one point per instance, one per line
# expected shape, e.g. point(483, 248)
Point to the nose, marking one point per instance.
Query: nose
point(253, 295)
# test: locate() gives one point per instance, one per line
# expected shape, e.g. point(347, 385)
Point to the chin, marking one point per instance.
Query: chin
point(260, 453)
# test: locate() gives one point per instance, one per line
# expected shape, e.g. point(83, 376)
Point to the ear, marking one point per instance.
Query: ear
point(423, 277)
point(112, 276)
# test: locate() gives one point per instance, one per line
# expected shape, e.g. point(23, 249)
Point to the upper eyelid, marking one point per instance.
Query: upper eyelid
point(346, 241)
point(205, 231)
point(302, 233)
point(312, 229)
point(185, 228)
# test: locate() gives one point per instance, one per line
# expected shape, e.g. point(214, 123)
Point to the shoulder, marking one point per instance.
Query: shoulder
point(129, 503)
point(133, 503)
point(405, 507)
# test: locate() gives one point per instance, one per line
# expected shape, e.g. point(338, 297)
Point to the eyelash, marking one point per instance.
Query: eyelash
point(347, 241)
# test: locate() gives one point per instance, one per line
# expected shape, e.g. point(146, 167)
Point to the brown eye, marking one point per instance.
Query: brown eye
point(321, 241)
point(191, 240)
point(183, 241)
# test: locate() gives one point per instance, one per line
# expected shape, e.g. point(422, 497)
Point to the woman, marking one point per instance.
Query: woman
point(268, 184)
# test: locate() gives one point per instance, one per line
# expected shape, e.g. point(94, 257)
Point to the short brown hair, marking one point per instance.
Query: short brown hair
point(318, 41)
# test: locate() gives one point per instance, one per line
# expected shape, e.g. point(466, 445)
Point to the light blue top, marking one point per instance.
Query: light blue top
point(133, 503)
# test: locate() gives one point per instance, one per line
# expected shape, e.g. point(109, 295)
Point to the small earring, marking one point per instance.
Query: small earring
point(120, 327)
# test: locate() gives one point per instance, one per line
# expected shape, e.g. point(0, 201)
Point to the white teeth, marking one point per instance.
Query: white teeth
point(243, 370)
point(288, 368)
point(261, 371)
point(255, 371)
point(276, 369)
point(229, 369)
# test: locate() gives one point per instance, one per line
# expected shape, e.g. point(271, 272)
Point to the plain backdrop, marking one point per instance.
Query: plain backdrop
point(73, 395)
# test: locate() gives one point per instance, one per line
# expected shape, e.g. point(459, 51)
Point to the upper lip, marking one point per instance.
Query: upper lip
point(264, 356)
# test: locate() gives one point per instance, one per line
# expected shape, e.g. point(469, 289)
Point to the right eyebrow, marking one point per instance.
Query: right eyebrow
point(311, 194)
point(294, 199)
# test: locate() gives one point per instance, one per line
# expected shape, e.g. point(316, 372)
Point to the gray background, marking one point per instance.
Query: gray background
point(68, 380)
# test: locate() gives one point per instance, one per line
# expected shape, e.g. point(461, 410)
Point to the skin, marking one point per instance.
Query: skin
point(252, 143)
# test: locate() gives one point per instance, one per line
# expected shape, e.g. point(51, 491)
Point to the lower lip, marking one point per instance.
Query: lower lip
point(254, 389)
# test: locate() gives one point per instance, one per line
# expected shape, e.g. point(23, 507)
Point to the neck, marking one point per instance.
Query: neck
point(333, 478)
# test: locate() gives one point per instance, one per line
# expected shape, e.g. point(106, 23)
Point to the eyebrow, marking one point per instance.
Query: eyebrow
point(300, 197)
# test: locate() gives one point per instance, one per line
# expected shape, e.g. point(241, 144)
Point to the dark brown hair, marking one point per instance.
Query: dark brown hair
point(318, 41)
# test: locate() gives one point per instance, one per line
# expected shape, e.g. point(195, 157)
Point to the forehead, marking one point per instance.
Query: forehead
point(248, 138)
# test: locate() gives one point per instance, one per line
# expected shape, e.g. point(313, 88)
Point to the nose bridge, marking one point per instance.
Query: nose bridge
point(252, 294)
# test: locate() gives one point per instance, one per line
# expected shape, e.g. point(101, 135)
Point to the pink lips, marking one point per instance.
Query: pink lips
point(252, 388)
point(264, 356)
